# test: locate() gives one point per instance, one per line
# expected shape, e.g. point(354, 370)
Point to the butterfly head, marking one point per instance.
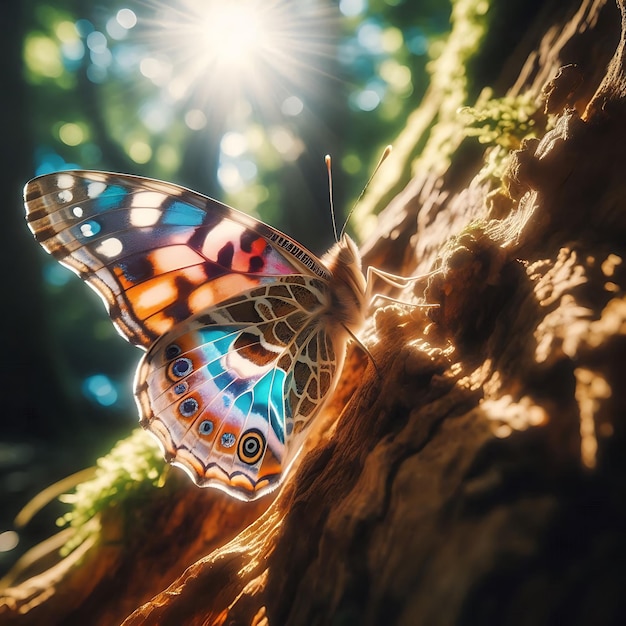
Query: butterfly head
point(348, 252)
point(348, 286)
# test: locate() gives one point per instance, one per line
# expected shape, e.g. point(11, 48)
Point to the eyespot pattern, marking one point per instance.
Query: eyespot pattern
point(188, 407)
point(180, 388)
point(228, 440)
point(251, 447)
point(172, 351)
point(206, 427)
point(181, 367)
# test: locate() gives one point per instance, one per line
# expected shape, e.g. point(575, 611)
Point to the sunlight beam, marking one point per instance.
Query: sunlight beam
point(219, 52)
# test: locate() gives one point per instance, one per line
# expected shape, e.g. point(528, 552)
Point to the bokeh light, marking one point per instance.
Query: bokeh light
point(100, 389)
point(169, 72)
point(139, 151)
point(195, 119)
point(352, 8)
point(126, 18)
point(42, 56)
point(8, 540)
point(72, 134)
point(292, 106)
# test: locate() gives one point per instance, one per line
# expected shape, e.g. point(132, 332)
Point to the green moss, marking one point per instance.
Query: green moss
point(504, 121)
point(133, 468)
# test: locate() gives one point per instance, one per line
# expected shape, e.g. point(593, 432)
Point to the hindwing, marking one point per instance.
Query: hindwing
point(229, 391)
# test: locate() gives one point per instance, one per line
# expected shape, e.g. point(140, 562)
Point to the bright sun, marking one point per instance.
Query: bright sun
point(224, 49)
point(233, 35)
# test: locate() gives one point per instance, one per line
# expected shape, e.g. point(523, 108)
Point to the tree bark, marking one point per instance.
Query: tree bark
point(480, 478)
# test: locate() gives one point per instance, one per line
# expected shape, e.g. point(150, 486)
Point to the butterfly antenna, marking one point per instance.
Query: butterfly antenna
point(328, 162)
point(383, 156)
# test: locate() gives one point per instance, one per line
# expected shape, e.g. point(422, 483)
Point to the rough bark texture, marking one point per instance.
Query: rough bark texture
point(481, 478)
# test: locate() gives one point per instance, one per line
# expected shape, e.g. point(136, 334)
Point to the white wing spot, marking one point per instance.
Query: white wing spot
point(95, 189)
point(65, 181)
point(146, 199)
point(77, 211)
point(245, 368)
point(223, 233)
point(144, 217)
point(66, 196)
point(86, 229)
point(110, 247)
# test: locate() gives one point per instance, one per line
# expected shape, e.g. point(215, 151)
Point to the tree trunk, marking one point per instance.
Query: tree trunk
point(480, 478)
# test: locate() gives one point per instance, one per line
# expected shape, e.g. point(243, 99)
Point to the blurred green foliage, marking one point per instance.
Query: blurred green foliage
point(138, 86)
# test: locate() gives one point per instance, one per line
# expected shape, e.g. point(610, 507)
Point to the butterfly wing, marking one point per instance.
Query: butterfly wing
point(229, 392)
point(155, 252)
point(242, 350)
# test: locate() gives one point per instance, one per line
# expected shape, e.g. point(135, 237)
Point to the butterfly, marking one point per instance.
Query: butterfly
point(244, 330)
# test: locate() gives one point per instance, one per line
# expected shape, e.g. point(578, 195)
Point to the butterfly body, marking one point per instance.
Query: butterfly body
point(244, 330)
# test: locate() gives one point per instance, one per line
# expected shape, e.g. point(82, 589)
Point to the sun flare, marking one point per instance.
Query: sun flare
point(233, 35)
point(208, 51)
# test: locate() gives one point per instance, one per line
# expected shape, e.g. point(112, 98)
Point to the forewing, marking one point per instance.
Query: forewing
point(155, 252)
